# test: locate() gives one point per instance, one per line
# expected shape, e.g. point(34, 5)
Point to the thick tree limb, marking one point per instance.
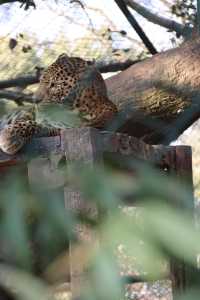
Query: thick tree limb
point(181, 30)
point(159, 97)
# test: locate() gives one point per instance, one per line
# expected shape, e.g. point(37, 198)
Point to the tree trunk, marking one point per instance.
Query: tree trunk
point(159, 97)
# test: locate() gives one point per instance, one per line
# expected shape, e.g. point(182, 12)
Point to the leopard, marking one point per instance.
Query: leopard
point(71, 83)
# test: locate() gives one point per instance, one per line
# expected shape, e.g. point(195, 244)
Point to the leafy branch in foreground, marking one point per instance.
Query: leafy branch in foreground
point(40, 220)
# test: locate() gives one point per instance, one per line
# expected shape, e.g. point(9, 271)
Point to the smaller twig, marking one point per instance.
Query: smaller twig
point(131, 19)
point(131, 279)
point(83, 8)
point(198, 15)
point(25, 3)
point(17, 96)
point(19, 81)
point(180, 29)
point(102, 66)
point(78, 2)
point(115, 65)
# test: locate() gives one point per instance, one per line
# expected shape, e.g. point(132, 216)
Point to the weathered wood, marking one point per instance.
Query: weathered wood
point(87, 146)
point(37, 147)
point(183, 167)
point(80, 145)
point(128, 145)
point(110, 142)
point(182, 274)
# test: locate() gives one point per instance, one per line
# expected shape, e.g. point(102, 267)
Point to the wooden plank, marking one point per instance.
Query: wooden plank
point(111, 142)
point(87, 145)
point(183, 275)
point(183, 167)
point(128, 145)
point(81, 145)
point(38, 146)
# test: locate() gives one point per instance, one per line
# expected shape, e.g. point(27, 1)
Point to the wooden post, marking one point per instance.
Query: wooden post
point(84, 145)
point(183, 275)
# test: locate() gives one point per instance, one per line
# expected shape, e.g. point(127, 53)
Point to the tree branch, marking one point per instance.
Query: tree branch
point(25, 3)
point(148, 44)
point(103, 67)
point(181, 30)
point(7, 1)
point(115, 66)
point(17, 96)
point(19, 81)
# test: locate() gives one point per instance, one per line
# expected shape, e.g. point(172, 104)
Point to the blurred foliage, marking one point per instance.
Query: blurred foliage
point(35, 227)
point(186, 10)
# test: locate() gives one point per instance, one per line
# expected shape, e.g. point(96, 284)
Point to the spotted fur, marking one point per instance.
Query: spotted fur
point(19, 130)
point(70, 81)
point(77, 84)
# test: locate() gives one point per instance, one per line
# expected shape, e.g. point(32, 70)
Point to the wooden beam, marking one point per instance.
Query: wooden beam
point(81, 145)
point(183, 275)
point(111, 142)
point(38, 146)
point(87, 145)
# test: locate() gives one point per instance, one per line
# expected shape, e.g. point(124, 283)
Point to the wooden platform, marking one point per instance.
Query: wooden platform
point(89, 146)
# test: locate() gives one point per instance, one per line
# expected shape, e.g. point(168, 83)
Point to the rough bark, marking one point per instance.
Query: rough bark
point(159, 97)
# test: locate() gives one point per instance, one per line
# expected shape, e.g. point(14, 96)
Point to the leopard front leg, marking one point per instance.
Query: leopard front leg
point(15, 135)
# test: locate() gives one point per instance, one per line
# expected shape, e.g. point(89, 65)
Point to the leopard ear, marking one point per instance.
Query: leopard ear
point(63, 55)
